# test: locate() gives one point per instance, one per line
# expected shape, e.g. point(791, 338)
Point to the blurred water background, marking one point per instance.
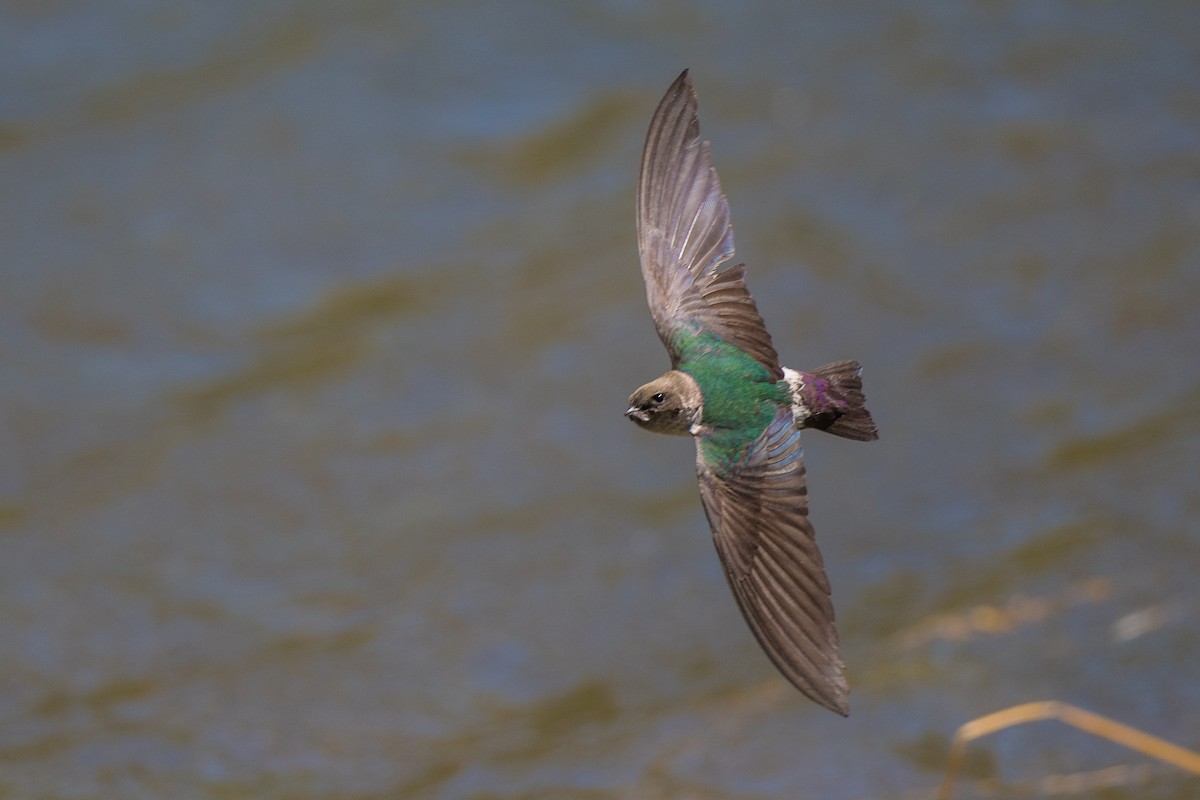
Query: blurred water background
point(316, 328)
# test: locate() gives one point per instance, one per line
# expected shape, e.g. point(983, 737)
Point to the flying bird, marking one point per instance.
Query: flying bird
point(727, 389)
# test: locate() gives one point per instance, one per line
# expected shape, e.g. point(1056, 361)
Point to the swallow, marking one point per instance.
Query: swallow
point(727, 390)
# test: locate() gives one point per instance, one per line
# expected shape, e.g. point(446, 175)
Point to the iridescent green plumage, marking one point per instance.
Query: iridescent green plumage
point(741, 397)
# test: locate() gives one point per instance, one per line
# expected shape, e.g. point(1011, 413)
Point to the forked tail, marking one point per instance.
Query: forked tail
point(830, 398)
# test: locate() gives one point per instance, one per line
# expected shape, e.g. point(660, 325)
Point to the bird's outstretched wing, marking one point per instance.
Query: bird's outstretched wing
point(684, 234)
point(758, 511)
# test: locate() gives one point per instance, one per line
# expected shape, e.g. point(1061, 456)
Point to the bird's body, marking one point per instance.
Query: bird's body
point(728, 390)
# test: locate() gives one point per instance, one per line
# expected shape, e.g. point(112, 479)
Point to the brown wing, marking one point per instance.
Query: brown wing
point(684, 234)
point(758, 511)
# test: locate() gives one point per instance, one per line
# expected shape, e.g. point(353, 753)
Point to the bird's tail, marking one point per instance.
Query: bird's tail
point(832, 397)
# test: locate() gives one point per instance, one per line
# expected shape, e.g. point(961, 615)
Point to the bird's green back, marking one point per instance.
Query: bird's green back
point(741, 397)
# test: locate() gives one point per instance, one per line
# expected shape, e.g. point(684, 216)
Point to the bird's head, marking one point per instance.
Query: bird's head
point(670, 403)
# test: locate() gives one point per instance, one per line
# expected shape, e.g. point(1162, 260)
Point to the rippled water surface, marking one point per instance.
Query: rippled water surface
point(316, 328)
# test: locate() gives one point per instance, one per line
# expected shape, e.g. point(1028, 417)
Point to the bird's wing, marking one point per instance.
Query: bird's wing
point(684, 234)
point(758, 511)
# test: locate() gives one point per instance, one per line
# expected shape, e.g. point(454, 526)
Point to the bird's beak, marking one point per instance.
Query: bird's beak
point(635, 413)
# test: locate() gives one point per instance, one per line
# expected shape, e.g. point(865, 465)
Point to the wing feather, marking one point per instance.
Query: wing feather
point(685, 233)
point(758, 511)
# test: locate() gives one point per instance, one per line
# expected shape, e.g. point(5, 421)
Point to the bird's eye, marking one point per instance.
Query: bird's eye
point(658, 398)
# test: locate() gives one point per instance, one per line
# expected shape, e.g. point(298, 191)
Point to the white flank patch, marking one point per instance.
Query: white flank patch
point(796, 383)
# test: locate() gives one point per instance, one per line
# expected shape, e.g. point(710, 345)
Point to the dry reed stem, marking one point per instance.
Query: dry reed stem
point(1086, 721)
